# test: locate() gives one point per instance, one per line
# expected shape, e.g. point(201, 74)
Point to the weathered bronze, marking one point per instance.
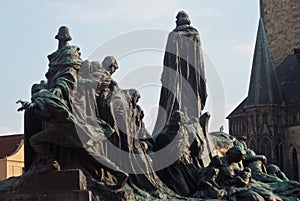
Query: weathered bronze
point(85, 138)
point(183, 78)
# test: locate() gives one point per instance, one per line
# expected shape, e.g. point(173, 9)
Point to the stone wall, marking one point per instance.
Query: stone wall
point(281, 19)
point(293, 143)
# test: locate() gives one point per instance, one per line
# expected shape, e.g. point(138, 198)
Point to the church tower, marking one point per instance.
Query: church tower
point(281, 19)
point(269, 117)
point(262, 107)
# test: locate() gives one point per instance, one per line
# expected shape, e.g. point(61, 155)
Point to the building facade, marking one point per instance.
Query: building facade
point(269, 117)
point(11, 156)
point(281, 19)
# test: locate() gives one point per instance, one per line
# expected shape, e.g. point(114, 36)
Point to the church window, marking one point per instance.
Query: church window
point(295, 165)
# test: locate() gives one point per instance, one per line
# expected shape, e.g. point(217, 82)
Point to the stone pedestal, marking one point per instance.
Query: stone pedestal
point(66, 185)
point(49, 196)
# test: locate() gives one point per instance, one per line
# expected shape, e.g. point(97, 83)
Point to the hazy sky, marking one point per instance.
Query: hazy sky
point(135, 31)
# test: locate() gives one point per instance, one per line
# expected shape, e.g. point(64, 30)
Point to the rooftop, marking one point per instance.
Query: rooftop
point(9, 144)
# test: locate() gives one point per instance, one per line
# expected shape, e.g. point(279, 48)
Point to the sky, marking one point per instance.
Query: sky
point(135, 32)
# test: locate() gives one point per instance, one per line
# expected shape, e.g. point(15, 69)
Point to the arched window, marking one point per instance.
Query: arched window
point(295, 165)
point(235, 126)
point(295, 117)
point(266, 148)
point(280, 154)
point(264, 118)
point(250, 123)
point(230, 128)
point(252, 144)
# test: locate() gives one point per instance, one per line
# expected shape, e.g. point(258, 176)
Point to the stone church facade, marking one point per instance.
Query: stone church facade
point(269, 117)
point(281, 19)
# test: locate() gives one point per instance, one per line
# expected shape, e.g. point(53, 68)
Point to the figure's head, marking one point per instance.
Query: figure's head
point(273, 169)
point(84, 68)
point(235, 154)
point(38, 87)
point(241, 142)
point(95, 66)
point(182, 18)
point(135, 95)
point(63, 34)
point(177, 116)
point(105, 81)
point(250, 152)
point(96, 70)
point(110, 64)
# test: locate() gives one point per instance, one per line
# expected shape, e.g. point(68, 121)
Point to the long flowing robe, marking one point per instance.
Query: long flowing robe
point(59, 103)
point(125, 150)
point(183, 77)
point(62, 78)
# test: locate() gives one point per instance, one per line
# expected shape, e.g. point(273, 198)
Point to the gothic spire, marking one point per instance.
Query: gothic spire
point(263, 89)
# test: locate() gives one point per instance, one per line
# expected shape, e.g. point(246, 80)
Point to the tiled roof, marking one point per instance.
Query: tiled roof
point(238, 111)
point(9, 144)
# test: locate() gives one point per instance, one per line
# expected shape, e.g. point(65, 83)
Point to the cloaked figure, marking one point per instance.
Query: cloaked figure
point(51, 102)
point(68, 140)
point(183, 77)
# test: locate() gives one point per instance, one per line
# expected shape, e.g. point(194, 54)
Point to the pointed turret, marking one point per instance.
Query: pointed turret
point(263, 89)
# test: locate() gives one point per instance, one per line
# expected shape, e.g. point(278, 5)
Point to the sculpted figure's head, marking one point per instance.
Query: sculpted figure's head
point(38, 87)
point(105, 81)
point(110, 64)
point(250, 152)
point(182, 18)
point(235, 154)
point(63, 34)
point(241, 142)
point(273, 169)
point(95, 66)
point(84, 68)
point(135, 95)
point(177, 116)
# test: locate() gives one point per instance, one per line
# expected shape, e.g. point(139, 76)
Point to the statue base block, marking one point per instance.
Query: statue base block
point(55, 186)
point(65, 180)
point(83, 195)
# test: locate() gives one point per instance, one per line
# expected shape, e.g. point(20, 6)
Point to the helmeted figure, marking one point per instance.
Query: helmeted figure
point(72, 136)
point(51, 102)
point(183, 77)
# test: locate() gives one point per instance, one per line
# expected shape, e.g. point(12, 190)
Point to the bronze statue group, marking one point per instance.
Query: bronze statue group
point(80, 118)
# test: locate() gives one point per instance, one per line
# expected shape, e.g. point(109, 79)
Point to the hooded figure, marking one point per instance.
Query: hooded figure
point(183, 78)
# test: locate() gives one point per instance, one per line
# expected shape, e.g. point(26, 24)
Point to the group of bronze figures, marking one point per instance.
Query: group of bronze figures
point(81, 119)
